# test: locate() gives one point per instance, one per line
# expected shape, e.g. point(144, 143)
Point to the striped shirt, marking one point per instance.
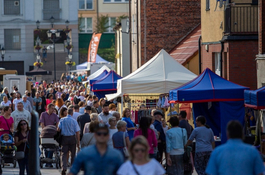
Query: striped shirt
point(68, 126)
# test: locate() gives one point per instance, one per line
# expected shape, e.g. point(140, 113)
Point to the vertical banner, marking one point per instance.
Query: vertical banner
point(93, 47)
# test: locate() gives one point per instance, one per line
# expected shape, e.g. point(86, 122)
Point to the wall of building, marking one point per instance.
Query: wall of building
point(242, 64)
point(193, 64)
point(212, 22)
point(111, 7)
point(164, 23)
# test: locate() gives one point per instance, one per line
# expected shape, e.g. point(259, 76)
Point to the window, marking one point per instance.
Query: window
point(51, 8)
point(85, 25)
point(86, 4)
point(217, 63)
point(207, 5)
point(116, 1)
point(11, 7)
point(110, 24)
point(12, 39)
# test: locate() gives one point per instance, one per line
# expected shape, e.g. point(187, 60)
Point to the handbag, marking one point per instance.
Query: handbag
point(125, 150)
point(186, 156)
point(21, 154)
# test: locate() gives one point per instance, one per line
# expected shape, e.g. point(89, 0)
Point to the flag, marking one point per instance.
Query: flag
point(93, 47)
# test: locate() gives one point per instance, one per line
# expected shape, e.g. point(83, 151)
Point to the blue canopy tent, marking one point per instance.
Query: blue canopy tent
point(255, 98)
point(84, 65)
point(104, 73)
point(217, 99)
point(106, 85)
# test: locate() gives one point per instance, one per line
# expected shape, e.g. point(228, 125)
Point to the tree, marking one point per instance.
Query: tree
point(120, 18)
point(102, 24)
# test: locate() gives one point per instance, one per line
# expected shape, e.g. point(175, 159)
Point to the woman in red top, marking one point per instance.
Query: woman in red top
point(6, 122)
point(49, 100)
point(149, 134)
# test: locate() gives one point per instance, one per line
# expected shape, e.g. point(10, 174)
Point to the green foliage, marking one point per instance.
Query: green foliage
point(121, 17)
point(102, 24)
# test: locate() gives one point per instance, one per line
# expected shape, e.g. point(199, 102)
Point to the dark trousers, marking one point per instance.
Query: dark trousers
point(23, 164)
point(68, 144)
point(49, 154)
point(161, 147)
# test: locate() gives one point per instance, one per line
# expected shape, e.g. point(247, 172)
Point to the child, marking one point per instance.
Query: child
point(6, 139)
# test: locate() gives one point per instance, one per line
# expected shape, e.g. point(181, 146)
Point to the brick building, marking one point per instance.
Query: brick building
point(160, 24)
point(229, 40)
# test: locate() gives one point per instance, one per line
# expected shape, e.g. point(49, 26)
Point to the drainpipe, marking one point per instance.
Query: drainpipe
point(137, 29)
point(200, 57)
point(130, 25)
point(97, 13)
point(221, 59)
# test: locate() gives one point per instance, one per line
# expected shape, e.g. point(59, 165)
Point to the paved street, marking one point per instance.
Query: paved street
point(44, 171)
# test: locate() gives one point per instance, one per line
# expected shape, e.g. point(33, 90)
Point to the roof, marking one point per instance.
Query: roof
point(255, 98)
point(91, 81)
point(84, 65)
point(188, 47)
point(108, 82)
point(159, 75)
point(208, 87)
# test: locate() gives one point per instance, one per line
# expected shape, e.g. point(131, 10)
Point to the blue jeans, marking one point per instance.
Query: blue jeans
point(23, 164)
point(49, 154)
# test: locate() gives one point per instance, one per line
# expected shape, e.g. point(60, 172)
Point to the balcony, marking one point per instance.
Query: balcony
point(241, 20)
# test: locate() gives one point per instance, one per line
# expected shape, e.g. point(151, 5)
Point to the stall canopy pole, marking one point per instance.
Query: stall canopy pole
point(121, 103)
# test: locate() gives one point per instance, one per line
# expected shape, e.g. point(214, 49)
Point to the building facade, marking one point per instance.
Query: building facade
point(90, 13)
point(160, 24)
point(18, 22)
point(229, 40)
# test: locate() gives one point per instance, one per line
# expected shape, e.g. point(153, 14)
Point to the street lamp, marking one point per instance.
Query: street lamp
point(38, 24)
point(3, 51)
point(54, 36)
point(67, 24)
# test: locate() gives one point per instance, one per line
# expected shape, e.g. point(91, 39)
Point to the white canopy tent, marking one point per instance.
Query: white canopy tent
point(97, 73)
point(159, 75)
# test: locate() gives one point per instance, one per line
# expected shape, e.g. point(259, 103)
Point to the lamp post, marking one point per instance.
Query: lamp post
point(54, 36)
point(3, 51)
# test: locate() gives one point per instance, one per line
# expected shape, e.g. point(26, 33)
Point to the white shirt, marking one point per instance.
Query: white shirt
point(75, 115)
point(104, 118)
point(111, 132)
point(16, 101)
point(81, 98)
point(5, 104)
point(89, 103)
point(21, 115)
point(150, 168)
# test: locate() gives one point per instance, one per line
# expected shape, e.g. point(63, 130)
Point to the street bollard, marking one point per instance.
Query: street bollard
point(34, 157)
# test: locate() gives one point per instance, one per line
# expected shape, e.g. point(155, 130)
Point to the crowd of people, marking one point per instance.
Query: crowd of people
point(97, 139)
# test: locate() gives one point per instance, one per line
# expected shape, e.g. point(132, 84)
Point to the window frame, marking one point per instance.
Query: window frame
point(113, 1)
point(6, 45)
point(85, 1)
point(20, 9)
point(208, 5)
point(110, 28)
point(86, 29)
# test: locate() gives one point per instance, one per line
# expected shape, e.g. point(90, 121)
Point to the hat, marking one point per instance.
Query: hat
point(88, 108)
point(158, 113)
point(173, 113)
point(24, 96)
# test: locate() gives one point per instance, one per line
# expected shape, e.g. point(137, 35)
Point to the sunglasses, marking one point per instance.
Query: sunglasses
point(22, 124)
point(139, 150)
point(102, 133)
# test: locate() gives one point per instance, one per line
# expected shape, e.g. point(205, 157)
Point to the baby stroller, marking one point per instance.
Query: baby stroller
point(49, 144)
point(8, 150)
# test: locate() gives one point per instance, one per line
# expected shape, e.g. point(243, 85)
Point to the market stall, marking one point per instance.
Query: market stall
point(99, 59)
point(96, 74)
point(255, 99)
point(217, 99)
point(103, 74)
point(106, 85)
point(159, 75)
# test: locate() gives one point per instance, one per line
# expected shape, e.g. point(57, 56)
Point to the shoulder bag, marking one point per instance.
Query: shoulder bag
point(125, 150)
point(135, 170)
point(186, 158)
point(21, 154)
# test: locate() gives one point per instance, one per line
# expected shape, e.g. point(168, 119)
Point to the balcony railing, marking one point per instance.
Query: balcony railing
point(241, 20)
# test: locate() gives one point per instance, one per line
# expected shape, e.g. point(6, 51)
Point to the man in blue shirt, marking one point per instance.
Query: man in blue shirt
point(235, 157)
point(98, 159)
point(162, 138)
point(70, 132)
